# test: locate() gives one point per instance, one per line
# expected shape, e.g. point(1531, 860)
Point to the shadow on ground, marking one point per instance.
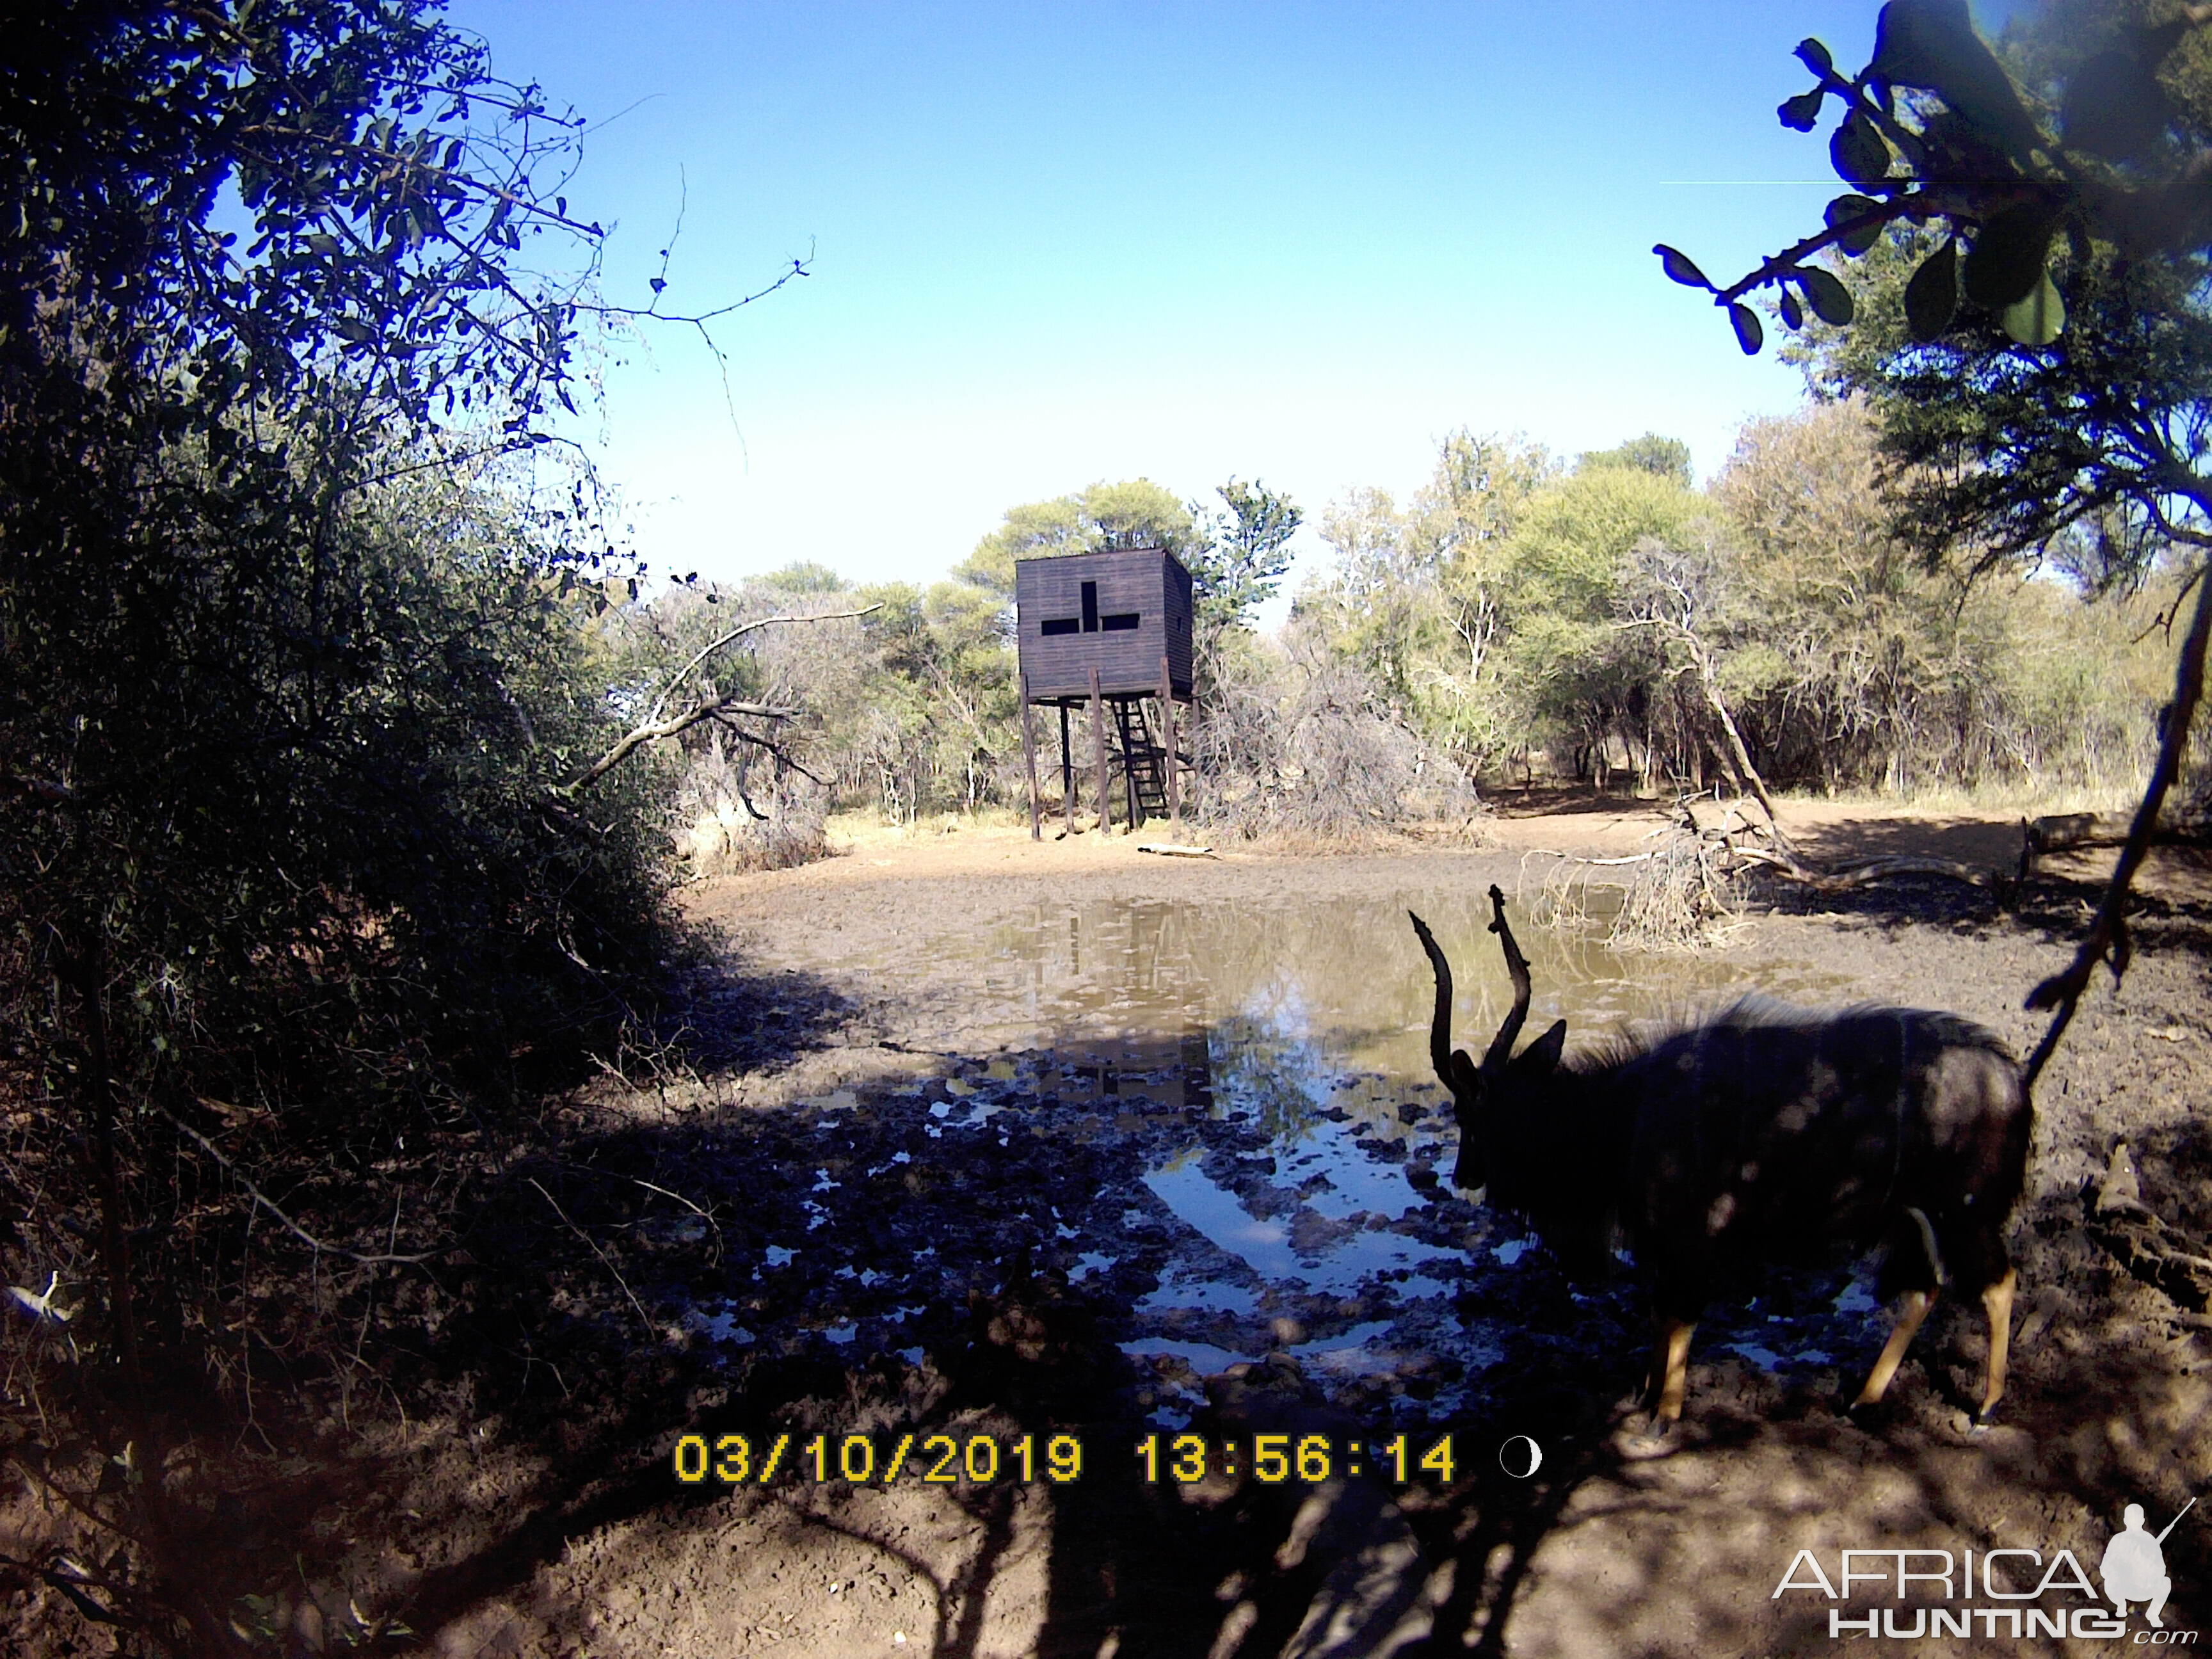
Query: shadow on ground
point(1971, 841)
point(784, 1274)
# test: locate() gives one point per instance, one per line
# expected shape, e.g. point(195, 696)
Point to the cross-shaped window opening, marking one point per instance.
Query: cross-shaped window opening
point(1091, 622)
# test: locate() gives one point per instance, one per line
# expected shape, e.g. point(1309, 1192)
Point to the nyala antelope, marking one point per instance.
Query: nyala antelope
point(1767, 1133)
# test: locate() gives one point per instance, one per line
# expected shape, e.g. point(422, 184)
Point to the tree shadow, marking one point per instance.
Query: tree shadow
point(727, 1018)
point(1971, 841)
point(1566, 800)
point(889, 1259)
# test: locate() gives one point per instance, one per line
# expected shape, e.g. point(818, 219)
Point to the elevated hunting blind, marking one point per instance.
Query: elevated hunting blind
point(1109, 630)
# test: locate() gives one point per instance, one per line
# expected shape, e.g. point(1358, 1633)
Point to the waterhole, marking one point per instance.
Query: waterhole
point(1218, 1123)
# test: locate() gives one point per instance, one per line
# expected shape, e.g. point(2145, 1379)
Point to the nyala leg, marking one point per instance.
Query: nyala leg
point(1911, 1310)
point(1670, 1368)
point(1997, 1305)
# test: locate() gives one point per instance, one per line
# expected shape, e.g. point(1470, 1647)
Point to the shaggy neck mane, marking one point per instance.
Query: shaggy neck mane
point(1610, 1053)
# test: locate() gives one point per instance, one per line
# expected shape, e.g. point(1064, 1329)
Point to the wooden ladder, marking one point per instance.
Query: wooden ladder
point(1144, 760)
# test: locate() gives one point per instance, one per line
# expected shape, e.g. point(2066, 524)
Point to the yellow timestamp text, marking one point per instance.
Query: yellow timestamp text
point(943, 1459)
point(1279, 1459)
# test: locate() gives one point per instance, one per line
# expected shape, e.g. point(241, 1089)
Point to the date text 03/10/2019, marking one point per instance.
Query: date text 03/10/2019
point(941, 1459)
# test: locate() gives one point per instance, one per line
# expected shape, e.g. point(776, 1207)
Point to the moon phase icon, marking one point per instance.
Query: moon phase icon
point(1510, 1457)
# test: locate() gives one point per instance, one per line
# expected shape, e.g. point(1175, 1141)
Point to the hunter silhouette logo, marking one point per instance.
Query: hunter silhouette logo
point(2134, 1568)
point(2011, 1591)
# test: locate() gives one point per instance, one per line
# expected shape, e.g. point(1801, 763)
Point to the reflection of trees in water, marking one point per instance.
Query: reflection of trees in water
point(1280, 1076)
point(1293, 994)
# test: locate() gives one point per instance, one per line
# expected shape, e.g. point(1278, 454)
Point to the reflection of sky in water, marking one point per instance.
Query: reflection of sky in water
point(1316, 984)
point(1318, 1050)
point(1203, 1357)
point(1358, 1184)
point(1211, 1210)
point(1179, 1291)
point(1197, 1202)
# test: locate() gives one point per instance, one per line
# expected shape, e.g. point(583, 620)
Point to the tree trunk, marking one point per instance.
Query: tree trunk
point(1709, 682)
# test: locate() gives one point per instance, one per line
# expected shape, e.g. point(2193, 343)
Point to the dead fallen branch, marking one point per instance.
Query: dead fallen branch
point(1577, 858)
point(1169, 849)
point(606, 1260)
point(2153, 1250)
point(269, 1205)
point(1861, 875)
point(1679, 895)
point(2066, 832)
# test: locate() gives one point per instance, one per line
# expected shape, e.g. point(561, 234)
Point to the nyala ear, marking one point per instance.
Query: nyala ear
point(1541, 1057)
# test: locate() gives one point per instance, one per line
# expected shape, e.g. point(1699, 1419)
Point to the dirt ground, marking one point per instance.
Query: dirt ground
point(848, 1042)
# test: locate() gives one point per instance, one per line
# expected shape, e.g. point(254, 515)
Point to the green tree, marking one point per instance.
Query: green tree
point(1664, 458)
point(1136, 513)
point(1415, 600)
point(940, 719)
point(1566, 569)
point(1851, 661)
point(296, 682)
point(1241, 564)
point(2045, 368)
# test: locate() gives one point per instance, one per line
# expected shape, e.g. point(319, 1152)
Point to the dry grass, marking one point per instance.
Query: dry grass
point(728, 840)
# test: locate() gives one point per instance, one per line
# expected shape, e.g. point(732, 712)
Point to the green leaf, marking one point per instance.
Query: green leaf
point(2038, 320)
point(1815, 57)
point(1793, 314)
point(1849, 207)
point(1749, 334)
point(1859, 151)
point(2008, 257)
point(1931, 43)
point(1827, 296)
point(1802, 112)
point(2115, 107)
point(1679, 265)
point(1931, 298)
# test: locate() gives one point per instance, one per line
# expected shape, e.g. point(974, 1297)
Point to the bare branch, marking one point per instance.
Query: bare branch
point(653, 728)
point(675, 726)
point(736, 634)
point(2107, 938)
point(269, 1205)
point(759, 741)
point(645, 1317)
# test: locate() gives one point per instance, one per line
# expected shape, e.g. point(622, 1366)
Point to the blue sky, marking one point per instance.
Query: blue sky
point(1053, 243)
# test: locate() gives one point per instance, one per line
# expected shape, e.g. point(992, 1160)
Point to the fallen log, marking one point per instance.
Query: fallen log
point(2152, 1249)
point(1169, 849)
point(2065, 832)
point(1859, 875)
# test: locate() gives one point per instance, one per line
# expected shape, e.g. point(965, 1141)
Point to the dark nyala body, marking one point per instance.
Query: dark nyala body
point(1766, 1133)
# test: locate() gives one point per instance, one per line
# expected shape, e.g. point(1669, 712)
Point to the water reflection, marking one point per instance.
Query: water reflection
point(1293, 1006)
point(1267, 1153)
point(1304, 1027)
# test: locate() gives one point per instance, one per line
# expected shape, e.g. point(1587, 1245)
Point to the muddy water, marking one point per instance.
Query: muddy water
point(1219, 1122)
point(1284, 993)
point(1309, 1024)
